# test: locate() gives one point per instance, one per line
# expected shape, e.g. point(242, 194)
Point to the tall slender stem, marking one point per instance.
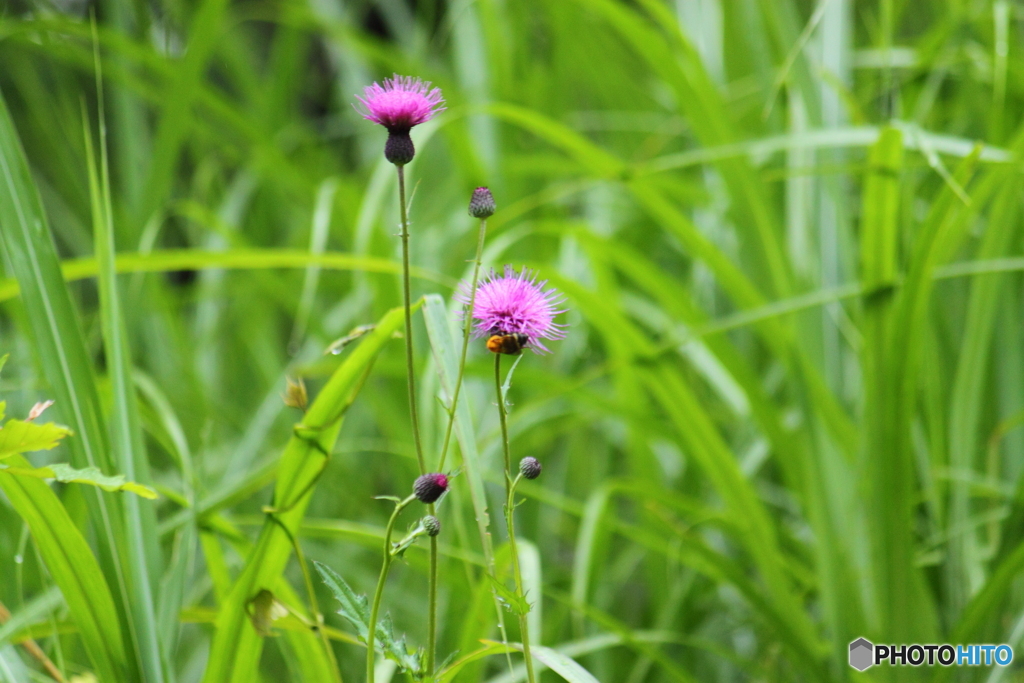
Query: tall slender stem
point(432, 604)
point(414, 417)
point(385, 567)
point(314, 607)
point(406, 289)
point(517, 575)
point(504, 424)
point(510, 491)
point(467, 329)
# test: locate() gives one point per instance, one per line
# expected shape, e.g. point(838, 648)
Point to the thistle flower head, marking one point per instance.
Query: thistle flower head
point(431, 524)
point(530, 467)
point(429, 487)
point(401, 103)
point(482, 203)
point(516, 304)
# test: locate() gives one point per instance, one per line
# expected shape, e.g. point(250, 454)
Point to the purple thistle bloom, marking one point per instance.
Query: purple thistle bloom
point(515, 303)
point(401, 103)
point(429, 487)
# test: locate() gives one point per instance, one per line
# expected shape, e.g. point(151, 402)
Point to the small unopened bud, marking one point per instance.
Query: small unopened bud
point(429, 487)
point(529, 467)
point(399, 149)
point(432, 525)
point(295, 395)
point(482, 203)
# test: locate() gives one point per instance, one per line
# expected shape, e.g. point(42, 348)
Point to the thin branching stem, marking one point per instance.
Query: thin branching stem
point(317, 621)
point(432, 606)
point(510, 492)
point(414, 417)
point(466, 331)
point(379, 593)
point(432, 603)
point(406, 291)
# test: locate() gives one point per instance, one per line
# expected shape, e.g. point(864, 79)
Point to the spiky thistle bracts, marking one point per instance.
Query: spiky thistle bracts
point(515, 303)
point(432, 525)
point(429, 487)
point(481, 204)
point(530, 467)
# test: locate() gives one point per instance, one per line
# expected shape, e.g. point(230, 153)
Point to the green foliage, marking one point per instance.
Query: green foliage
point(509, 599)
point(74, 569)
point(356, 609)
point(787, 413)
point(18, 436)
point(67, 474)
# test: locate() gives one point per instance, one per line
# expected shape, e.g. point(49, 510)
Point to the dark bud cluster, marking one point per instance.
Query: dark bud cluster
point(432, 525)
point(399, 149)
point(429, 487)
point(482, 203)
point(529, 467)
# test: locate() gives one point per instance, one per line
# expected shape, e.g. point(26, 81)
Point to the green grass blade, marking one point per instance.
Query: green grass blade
point(967, 401)
point(236, 647)
point(30, 251)
point(140, 546)
point(74, 569)
point(170, 260)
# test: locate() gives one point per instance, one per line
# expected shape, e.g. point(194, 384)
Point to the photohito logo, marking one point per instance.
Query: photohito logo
point(865, 654)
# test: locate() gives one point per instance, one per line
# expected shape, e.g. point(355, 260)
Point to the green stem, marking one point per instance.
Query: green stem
point(406, 290)
point(432, 602)
point(432, 605)
point(379, 593)
point(314, 607)
point(510, 491)
point(414, 416)
point(467, 329)
point(502, 415)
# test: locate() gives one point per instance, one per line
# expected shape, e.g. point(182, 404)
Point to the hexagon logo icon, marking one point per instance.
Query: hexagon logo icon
point(861, 651)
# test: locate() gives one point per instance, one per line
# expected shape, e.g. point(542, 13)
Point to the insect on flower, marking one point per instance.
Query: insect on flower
point(514, 311)
point(508, 344)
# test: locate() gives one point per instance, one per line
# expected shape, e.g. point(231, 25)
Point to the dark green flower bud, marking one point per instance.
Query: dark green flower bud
point(482, 203)
point(529, 467)
point(432, 524)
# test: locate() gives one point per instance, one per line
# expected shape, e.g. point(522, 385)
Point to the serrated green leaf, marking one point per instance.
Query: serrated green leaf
point(510, 599)
point(67, 474)
point(18, 436)
point(356, 609)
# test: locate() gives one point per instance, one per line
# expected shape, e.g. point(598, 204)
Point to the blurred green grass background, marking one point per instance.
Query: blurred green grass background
point(787, 412)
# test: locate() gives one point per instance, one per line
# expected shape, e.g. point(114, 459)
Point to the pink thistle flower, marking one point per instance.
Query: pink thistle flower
point(401, 103)
point(516, 304)
point(398, 105)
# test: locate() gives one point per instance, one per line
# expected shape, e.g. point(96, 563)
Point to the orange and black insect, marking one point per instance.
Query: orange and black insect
point(508, 344)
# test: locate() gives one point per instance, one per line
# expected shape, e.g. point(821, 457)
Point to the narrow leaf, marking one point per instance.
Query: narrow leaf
point(73, 568)
point(236, 648)
point(67, 474)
